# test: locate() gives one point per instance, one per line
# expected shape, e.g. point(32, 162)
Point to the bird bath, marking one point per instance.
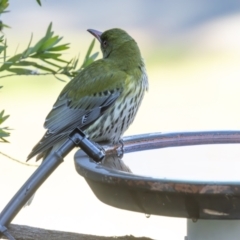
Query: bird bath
point(205, 189)
point(200, 183)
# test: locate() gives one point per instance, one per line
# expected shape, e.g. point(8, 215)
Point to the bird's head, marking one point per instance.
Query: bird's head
point(113, 41)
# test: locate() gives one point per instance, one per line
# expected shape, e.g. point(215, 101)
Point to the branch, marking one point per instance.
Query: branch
point(18, 161)
point(36, 74)
point(21, 232)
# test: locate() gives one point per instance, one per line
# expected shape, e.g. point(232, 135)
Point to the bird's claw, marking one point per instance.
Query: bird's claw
point(120, 150)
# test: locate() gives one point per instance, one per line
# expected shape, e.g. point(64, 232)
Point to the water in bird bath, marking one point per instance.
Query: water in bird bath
point(190, 163)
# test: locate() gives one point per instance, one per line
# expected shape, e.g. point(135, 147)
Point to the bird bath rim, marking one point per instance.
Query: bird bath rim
point(159, 196)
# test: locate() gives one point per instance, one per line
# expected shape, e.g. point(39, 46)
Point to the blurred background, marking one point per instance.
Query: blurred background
point(192, 53)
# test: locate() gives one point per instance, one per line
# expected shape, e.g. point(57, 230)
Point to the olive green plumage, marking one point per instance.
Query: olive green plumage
point(102, 99)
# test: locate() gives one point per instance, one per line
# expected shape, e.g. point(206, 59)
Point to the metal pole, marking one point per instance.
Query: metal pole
point(76, 138)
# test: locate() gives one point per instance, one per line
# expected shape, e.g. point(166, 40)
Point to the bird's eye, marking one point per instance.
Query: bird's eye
point(104, 43)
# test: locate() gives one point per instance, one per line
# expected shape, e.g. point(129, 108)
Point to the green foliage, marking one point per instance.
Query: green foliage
point(3, 130)
point(39, 2)
point(45, 57)
point(42, 58)
point(3, 6)
point(2, 44)
point(89, 59)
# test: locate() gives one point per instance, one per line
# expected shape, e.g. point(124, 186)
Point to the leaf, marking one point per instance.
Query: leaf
point(90, 49)
point(3, 5)
point(56, 59)
point(10, 62)
point(75, 62)
point(34, 64)
point(3, 139)
point(60, 47)
point(21, 71)
point(48, 35)
point(29, 49)
point(87, 59)
point(4, 134)
point(47, 55)
point(45, 69)
point(25, 63)
point(94, 56)
point(15, 58)
point(5, 66)
point(38, 44)
point(50, 63)
point(3, 131)
point(49, 43)
point(49, 32)
point(61, 60)
point(59, 79)
point(5, 51)
point(28, 52)
point(3, 118)
point(87, 62)
point(39, 3)
point(2, 48)
point(2, 25)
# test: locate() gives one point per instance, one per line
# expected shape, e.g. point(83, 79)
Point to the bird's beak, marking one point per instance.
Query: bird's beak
point(96, 34)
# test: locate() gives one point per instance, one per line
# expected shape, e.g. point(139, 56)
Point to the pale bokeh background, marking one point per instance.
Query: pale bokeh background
point(192, 52)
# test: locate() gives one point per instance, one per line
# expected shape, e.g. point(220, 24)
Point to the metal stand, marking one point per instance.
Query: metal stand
point(213, 230)
point(214, 205)
point(76, 138)
point(198, 200)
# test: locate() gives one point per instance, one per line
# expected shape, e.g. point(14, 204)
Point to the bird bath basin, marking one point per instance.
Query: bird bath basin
point(200, 183)
point(203, 187)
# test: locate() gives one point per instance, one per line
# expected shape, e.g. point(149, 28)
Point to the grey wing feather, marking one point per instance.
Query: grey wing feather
point(64, 118)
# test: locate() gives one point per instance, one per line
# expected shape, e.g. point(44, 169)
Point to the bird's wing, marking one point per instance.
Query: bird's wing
point(81, 102)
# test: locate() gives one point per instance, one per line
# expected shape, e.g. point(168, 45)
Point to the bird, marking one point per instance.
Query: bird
point(102, 99)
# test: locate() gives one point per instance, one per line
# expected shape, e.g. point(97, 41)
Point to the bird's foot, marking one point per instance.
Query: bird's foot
point(120, 150)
